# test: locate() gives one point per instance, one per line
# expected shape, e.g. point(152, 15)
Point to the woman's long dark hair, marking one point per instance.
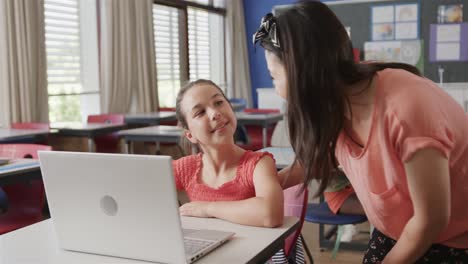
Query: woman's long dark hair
point(318, 57)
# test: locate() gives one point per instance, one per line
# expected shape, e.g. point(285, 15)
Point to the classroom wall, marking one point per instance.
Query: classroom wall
point(254, 10)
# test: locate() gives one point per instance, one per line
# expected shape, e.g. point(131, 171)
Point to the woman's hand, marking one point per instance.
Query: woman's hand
point(291, 175)
point(197, 209)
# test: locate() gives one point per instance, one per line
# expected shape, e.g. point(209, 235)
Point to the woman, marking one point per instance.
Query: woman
point(399, 138)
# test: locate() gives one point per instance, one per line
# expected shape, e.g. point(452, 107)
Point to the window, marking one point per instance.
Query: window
point(71, 47)
point(63, 59)
point(189, 45)
point(167, 51)
point(199, 44)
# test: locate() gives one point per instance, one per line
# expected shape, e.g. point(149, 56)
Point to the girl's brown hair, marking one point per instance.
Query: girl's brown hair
point(318, 57)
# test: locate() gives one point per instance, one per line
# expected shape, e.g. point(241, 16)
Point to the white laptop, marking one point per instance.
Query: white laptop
point(120, 205)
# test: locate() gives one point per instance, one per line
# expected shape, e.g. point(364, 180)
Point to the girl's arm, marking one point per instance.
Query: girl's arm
point(291, 175)
point(429, 186)
point(266, 209)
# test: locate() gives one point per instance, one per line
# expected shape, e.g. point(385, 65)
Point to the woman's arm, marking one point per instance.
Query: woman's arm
point(429, 186)
point(266, 209)
point(291, 175)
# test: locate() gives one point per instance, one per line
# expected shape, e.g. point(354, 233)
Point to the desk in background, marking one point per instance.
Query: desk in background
point(153, 118)
point(259, 119)
point(38, 244)
point(90, 131)
point(21, 170)
point(10, 135)
point(158, 134)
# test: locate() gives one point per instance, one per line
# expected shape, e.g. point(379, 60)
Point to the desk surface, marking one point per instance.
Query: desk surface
point(88, 130)
point(152, 118)
point(12, 135)
point(259, 116)
point(19, 170)
point(152, 130)
point(38, 244)
point(283, 156)
point(88, 127)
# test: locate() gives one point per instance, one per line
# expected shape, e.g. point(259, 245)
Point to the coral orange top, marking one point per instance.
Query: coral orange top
point(187, 171)
point(410, 113)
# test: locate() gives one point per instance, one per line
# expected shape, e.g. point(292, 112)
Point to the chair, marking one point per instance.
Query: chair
point(168, 123)
point(108, 143)
point(254, 132)
point(30, 125)
point(3, 201)
point(295, 204)
point(25, 200)
point(322, 215)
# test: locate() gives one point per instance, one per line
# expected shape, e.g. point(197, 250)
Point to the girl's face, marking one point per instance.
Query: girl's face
point(277, 73)
point(209, 116)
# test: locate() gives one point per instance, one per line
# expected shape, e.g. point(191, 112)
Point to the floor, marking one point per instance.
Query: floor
point(310, 233)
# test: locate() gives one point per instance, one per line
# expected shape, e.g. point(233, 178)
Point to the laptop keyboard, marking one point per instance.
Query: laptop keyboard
point(192, 246)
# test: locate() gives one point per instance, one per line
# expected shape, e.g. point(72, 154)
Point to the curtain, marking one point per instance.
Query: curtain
point(238, 73)
point(23, 66)
point(127, 60)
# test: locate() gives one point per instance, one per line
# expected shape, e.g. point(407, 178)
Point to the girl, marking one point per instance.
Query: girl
point(223, 181)
point(399, 138)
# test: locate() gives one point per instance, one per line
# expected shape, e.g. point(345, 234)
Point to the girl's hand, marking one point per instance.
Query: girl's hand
point(197, 209)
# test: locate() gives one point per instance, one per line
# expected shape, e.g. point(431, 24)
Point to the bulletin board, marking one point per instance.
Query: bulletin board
point(357, 17)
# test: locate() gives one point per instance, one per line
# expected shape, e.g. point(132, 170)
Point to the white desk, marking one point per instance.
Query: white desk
point(89, 130)
point(10, 135)
point(20, 170)
point(158, 134)
point(283, 156)
point(260, 119)
point(38, 244)
point(153, 118)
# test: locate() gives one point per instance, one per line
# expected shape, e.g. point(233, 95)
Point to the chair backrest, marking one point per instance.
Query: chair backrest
point(295, 204)
point(30, 125)
point(107, 118)
point(262, 110)
point(19, 151)
point(167, 109)
point(170, 122)
point(107, 143)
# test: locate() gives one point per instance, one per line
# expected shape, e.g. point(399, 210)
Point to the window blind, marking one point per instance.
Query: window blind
point(62, 46)
point(199, 44)
point(166, 42)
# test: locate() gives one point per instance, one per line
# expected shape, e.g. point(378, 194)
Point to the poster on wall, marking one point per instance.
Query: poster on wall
point(406, 12)
point(450, 14)
point(449, 42)
point(383, 14)
point(406, 21)
point(383, 31)
point(395, 22)
point(406, 30)
point(408, 51)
